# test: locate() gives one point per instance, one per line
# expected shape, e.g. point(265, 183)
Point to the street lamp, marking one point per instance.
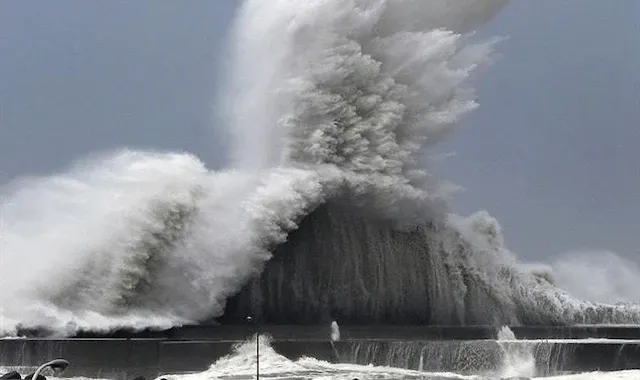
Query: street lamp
point(57, 365)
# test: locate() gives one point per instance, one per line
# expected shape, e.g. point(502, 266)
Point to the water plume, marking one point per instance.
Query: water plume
point(328, 209)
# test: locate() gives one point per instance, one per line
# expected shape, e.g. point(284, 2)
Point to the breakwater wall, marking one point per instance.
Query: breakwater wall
point(381, 332)
point(441, 350)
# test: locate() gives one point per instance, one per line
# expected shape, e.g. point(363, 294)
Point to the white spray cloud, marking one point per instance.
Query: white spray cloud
point(362, 86)
point(324, 95)
point(140, 239)
point(598, 276)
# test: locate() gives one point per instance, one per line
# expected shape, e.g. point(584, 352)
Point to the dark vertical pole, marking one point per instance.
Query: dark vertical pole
point(257, 332)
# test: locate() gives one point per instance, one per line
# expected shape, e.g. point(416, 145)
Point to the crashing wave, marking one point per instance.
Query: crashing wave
point(333, 105)
point(342, 265)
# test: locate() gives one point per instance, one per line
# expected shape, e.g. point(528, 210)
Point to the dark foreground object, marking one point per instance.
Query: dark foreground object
point(56, 365)
point(13, 375)
point(473, 351)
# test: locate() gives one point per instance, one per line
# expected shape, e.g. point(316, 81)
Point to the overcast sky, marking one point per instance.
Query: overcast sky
point(553, 152)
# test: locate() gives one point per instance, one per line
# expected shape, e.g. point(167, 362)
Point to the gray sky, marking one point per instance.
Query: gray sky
point(552, 152)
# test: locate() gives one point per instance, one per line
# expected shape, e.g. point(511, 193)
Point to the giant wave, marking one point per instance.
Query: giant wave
point(327, 210)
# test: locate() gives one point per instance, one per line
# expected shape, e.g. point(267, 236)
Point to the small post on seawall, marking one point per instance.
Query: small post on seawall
point(335, 332)
point(335, 337)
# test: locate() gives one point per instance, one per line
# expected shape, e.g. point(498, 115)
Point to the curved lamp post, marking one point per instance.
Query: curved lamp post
point(57, 365)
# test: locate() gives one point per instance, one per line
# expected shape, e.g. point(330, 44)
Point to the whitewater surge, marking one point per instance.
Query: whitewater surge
point(332, 106)
point(140, 240)
point(241, 364)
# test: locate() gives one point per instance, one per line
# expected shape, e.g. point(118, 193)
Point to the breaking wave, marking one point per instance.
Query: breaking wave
point(242, 363)
point(328, 208)
point(409, 360)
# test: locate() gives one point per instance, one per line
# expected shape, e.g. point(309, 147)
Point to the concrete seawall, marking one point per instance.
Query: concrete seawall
point(321, 332)
point(432, 348)
point(128, 358)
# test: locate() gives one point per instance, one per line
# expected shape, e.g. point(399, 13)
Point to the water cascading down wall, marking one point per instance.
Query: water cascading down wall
point(342, 264)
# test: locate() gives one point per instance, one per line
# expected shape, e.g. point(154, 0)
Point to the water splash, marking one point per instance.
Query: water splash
point(140, 240)
point(329, 98)
point(241, 364)
point(331, 103)
point(519, 358)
